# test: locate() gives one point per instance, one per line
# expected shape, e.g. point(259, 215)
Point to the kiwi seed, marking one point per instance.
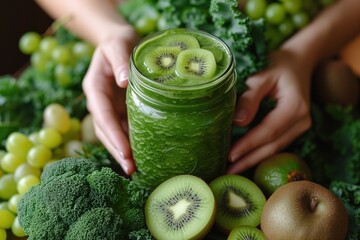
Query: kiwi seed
point(181, 41)
point(162, 60)
point(196, 64)
point(246, 233)
point(182, 207)
point(239, 202)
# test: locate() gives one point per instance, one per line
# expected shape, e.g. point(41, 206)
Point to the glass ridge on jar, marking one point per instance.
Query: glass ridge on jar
point(177, 130)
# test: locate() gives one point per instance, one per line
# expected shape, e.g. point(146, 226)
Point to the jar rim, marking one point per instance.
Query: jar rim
point(200, 86)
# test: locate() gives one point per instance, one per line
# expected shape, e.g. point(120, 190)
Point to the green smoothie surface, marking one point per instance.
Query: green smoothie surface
point(181, 57)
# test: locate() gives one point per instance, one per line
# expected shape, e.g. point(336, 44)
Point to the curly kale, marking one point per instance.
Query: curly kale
point(350, 196)
point(77, 197)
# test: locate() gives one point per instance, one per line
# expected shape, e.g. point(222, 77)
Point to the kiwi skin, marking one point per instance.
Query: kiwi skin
point(304, 210)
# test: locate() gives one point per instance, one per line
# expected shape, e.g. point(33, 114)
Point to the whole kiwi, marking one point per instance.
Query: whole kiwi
point(304, 210)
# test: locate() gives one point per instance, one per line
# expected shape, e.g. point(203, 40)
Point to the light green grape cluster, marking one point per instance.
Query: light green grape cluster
point(284, 17)
point(25, 157)
point(55, 60)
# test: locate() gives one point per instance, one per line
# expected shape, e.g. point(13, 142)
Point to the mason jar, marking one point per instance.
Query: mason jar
point(180, 128)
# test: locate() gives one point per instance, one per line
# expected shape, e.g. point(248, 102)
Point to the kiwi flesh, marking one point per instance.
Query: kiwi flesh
point(180, 41)
point(162, 60)
point(182, 207)
point(246, 233)
point(239, 201)
point(197, 64)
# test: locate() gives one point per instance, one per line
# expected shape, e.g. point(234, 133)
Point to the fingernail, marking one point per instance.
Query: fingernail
point(235, 157)
point(123, 75)
point(241, 116)
point(123, 163)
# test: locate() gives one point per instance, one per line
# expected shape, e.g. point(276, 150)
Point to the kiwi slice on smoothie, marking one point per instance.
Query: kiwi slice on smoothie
point(196, 63)
point(246, 233)
point(181, 41)
point(239, 202)
point(162, 60)
point(182, 207)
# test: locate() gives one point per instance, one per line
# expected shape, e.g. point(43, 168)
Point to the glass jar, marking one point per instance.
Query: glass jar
point(177, 130)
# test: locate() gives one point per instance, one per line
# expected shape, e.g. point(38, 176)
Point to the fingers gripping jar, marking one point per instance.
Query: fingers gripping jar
point(180, 102)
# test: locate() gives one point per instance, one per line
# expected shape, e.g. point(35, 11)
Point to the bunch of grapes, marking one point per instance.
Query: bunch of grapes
point(25, 157)
point(284, 17)
point(55, 59)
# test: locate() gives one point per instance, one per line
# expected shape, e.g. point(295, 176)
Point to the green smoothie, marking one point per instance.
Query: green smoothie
point(180, 103)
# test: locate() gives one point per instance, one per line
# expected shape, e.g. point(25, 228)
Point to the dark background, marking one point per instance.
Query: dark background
point(16, 18)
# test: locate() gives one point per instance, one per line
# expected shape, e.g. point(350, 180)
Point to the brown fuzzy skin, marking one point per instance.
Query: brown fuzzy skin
point(304, 210)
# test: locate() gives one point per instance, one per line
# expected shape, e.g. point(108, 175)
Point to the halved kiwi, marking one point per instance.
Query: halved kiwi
point(239, 202)
point(182, 207)
point(171, 79)
point(162, 60)
point(246, 233)
point(181, 41)
point(196, 63)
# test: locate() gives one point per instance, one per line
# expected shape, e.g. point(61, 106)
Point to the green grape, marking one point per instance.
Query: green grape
point(63, 75)
point(73, 148)
point(16, 228)
point(286, 28)
point(275, 13)
point(7, 186)
point(24, 170)
point(82, 49)
point(18, 143)
point(38, 156)
point(255, 9)
point(13, 202)
point(74, 131)
point(11, 161)
point(145, 25)
point(34, 137)
point(3, 234)
point(39, 61)
point(292, 6)
point(300, 19)
point(4, 205)
point(50, 138)
point(29, 42)
point(47, 45)
point(7, 218)
point(26, 183)
point(61, 54)
point(56, 117)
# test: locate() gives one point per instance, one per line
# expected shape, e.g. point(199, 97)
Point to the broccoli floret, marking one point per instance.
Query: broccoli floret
point(92, 224)
point(142, 234)
point(69, 166)
point(75, 192)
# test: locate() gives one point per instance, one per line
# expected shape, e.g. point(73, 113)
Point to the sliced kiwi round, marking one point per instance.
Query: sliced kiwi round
point(162, 60)
point(181, 41)
point(182, 207)
point(239, 202)
point(216, 51)
point(171, 79)
point(246, 233)
point(197, 64)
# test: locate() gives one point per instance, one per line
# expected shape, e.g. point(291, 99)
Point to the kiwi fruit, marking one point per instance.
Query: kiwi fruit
point(218, 54)
point(182, 207)
point(162, 60)
point(246, 233)
point(172, 79)
point(197, 64)
point(181, 41)
point(239, 201)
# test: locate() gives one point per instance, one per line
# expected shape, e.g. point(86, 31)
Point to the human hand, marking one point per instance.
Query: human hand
point(286, 80)
point(105, 86)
